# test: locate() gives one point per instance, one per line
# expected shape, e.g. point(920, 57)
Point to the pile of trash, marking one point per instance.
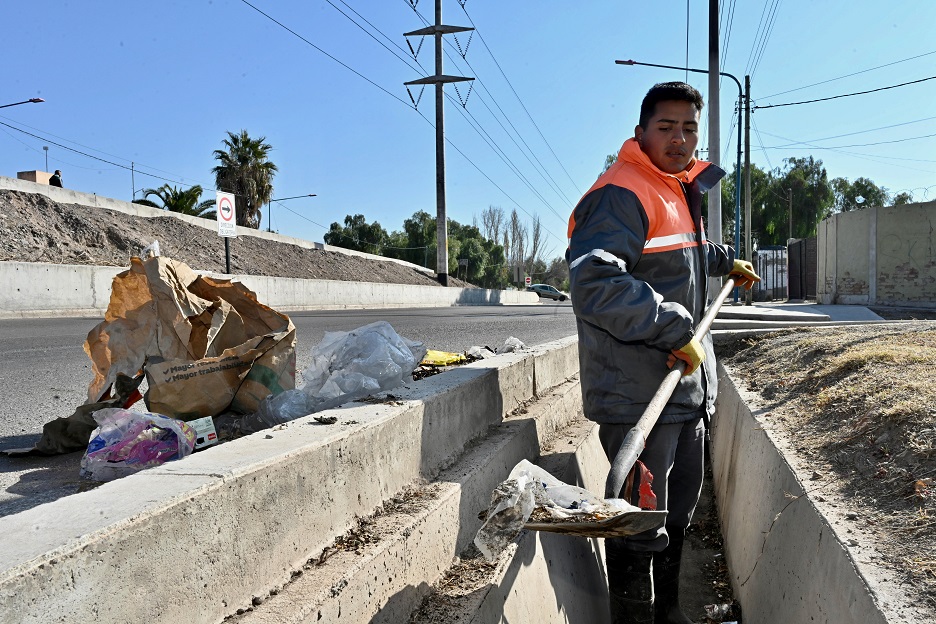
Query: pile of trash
point(218, 364)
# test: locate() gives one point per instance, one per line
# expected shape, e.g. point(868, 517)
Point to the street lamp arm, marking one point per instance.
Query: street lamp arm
point(29, 101)
point(296, 197)
point(698, 71)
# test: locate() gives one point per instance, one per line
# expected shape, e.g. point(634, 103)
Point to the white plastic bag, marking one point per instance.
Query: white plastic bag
point(512, 344)
point(350, 365)
point(127, 441)
point(529, 487)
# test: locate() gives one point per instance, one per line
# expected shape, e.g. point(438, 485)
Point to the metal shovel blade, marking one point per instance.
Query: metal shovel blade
point(621, 525)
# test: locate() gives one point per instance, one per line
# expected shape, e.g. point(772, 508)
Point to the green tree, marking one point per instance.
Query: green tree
point(357, 234)
point(244, 169)
point(813, 196)
point(862, 193)
point(902, 199)
point(175, 199)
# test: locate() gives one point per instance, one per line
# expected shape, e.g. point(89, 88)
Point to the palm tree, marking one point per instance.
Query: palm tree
point(177, 200)
point(245, 170)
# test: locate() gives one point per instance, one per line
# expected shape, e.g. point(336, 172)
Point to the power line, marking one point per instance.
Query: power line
point(351, 19)
point(522, 105)
point(345, 65)
point(870, 157)
point(499, 152)
point(758, 36)
point(541, 170)
point(835, 97)
point(760, 143)
point(815, 84)
point(109, 162)
point(471, 162)
point(839, 136)
point(772, 20)
point(448, 140)
point(834, 147)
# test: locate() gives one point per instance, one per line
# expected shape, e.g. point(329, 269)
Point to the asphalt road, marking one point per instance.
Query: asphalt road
point(44, 373)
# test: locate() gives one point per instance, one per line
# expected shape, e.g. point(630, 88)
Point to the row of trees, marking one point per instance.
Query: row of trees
point(790, 201)
point(484, 256)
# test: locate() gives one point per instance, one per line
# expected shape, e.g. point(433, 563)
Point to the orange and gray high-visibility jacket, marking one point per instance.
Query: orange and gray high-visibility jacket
point(638, 262)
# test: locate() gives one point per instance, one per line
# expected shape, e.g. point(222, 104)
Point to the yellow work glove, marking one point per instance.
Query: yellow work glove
point(743, 272)
point(691, 353)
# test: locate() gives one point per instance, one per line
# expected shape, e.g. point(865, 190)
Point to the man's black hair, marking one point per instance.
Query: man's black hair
point(666, 92)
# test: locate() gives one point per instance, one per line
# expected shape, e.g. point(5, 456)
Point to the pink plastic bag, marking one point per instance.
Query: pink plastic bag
point(127, 441)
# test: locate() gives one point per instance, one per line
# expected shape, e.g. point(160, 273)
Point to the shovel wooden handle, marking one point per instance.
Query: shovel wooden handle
point(636, 438)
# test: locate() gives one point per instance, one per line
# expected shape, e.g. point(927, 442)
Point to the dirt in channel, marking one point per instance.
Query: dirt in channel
point(859, 404)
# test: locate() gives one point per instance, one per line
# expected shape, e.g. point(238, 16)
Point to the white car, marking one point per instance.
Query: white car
point(547, 291)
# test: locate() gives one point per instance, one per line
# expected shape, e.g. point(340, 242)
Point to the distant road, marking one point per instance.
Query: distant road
point(44, 372)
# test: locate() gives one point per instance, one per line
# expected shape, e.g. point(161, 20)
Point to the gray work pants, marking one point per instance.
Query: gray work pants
point(674, 455)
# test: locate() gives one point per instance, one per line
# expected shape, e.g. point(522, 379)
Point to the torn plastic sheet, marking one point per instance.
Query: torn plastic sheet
point(529, 487)
point(345, 366)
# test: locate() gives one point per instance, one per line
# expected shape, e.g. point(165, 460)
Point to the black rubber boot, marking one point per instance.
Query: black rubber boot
point(630, 585)
point(666, 581)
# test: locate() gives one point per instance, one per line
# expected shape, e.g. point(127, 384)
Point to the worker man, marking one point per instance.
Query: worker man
point(56, 179)
point(638, 267)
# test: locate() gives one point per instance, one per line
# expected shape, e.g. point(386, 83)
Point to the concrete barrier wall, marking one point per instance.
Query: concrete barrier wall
point(37, 290)
point(192, 541)
point(878, 256)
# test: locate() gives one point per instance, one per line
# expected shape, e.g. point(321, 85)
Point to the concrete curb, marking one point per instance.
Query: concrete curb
point(236, 520)
point(788, 562)
point(79, 290)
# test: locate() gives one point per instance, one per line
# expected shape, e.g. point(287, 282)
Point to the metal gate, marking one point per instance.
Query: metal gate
point(770, 262)
point(804, 261)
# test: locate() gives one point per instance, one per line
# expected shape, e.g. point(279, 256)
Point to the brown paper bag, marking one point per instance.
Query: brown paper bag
point(206, 345)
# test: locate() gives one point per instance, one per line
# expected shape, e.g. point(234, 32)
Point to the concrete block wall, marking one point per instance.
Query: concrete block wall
point(879, 256)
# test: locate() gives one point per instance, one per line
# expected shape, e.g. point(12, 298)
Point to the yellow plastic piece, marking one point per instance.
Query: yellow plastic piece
point(442, 358)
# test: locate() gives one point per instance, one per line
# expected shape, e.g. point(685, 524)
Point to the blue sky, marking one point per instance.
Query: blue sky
point(159, 84)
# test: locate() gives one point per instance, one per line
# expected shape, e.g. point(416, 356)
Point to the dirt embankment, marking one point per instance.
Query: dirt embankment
point(34, 228)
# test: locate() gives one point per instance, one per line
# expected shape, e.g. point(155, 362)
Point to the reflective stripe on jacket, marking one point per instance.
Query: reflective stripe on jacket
point(638, 262)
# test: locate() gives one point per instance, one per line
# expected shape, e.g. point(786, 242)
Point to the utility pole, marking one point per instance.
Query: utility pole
point(747, 179)
point(714, 153)
point(439, 80)
point(790, 208)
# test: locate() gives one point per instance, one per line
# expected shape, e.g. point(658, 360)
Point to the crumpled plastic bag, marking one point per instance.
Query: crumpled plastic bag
point(345, 366)
point(351, 365)
point(511, 344)
point(126, 441)
point(529, 487)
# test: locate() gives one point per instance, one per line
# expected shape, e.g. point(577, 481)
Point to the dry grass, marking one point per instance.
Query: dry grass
point(861, 401)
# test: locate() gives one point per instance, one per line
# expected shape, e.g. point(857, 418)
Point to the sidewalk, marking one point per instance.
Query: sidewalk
point(768, 315)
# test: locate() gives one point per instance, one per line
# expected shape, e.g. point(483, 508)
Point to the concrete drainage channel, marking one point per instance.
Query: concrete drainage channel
point(247, 531)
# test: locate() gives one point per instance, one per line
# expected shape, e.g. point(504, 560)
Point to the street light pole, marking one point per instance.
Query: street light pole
point(270, 208)
point(29, 101)
point(45, 148)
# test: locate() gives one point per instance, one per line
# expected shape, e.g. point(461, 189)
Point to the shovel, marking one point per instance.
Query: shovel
point(633, 522)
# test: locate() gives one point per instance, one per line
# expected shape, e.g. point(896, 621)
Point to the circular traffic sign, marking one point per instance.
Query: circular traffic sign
point(225, 209)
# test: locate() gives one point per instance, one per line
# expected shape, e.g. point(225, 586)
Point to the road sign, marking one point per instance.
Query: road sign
point(227, 217)
point(528, 280)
